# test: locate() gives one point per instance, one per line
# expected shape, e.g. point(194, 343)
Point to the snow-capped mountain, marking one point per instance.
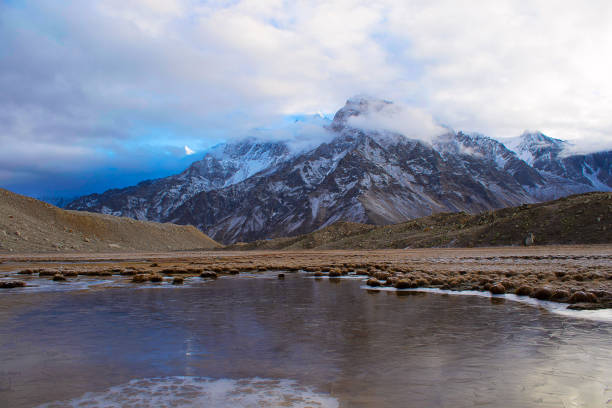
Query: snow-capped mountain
point(222, 166)
point(252, 189)
point(565, 173)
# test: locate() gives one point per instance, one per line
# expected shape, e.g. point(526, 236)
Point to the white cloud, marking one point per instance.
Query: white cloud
point(409, 121)
point(93, 74)
point(189, 151)
point(495, 67)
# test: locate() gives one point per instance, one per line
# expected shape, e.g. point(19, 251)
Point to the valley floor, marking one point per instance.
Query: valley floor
point(579, 275)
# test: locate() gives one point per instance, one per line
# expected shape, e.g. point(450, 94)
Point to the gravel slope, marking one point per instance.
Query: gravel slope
point(29, 225)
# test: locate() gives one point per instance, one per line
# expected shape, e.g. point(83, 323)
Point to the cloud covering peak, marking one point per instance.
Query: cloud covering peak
point(92, 82)
point(373, 114)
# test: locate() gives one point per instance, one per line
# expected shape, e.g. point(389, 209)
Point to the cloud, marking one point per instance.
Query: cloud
point(299, 132)
point(408, 121)
point(188, 151)
point(97, 76)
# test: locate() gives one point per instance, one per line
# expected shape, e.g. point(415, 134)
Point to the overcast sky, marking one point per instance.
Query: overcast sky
point(101, 94)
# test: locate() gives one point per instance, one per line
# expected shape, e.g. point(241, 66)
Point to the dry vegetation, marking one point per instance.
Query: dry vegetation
point(29, 225)
point(577, 219)
point(581, 275)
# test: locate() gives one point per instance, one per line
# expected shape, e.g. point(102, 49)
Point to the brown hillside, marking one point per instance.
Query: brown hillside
point(577, 219)
point(29, 225)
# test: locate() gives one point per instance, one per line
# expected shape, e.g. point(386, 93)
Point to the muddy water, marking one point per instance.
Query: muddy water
point(258, 341)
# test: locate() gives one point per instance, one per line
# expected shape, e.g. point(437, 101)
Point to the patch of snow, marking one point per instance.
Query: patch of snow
point(591, 175)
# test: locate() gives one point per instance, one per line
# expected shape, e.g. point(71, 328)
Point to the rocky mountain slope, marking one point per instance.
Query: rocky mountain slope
point(252, 189)
point(577, 219)
point(29, 225)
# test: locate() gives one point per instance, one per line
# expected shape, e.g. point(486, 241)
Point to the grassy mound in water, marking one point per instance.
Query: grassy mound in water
point(12, 284)
point(580, 276)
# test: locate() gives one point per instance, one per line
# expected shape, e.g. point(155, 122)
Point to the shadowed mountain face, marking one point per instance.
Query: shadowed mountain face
point(253, 190)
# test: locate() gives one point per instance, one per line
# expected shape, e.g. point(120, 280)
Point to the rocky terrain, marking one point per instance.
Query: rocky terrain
point(577, 219)
point(29, 225)
point(258, 190)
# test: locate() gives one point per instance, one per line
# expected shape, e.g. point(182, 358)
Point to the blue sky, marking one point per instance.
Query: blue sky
point(104, 94)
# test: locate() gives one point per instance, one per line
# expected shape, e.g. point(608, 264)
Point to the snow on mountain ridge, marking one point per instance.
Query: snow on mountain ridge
point(531, 146)
point(258, 188)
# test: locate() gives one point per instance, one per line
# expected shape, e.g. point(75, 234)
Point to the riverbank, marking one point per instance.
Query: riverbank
point(580, 276)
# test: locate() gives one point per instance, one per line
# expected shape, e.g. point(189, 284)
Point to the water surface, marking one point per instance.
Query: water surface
point(243, 341)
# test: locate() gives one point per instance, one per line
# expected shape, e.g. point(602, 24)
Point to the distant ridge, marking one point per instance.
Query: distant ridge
point(578, 219)
point(30, 225)
point(365, 173)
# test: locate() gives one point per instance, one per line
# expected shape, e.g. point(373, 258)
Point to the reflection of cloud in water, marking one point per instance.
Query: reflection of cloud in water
point(203, 392)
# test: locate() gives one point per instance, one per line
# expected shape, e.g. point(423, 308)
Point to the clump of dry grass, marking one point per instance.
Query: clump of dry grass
point(402, 284)
point(560, 295)
point(156, 278)
point(142, 278)
point(381, 275)
point(524, 290)
point(208, 274)
point(582, 297)
point(497, 289)
point(334, 273)
point(542, 293)
point(12, 284)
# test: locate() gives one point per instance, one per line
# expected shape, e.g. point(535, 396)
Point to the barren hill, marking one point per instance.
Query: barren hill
point(29, 225)
point(577, 219)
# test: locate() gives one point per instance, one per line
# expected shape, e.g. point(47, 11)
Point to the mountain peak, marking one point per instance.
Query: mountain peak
point(356, 106)
point(532, 146)
point(383, 162)
point(540, 138)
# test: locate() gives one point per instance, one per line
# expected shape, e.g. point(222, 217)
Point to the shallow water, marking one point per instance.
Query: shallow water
point(258, 341)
